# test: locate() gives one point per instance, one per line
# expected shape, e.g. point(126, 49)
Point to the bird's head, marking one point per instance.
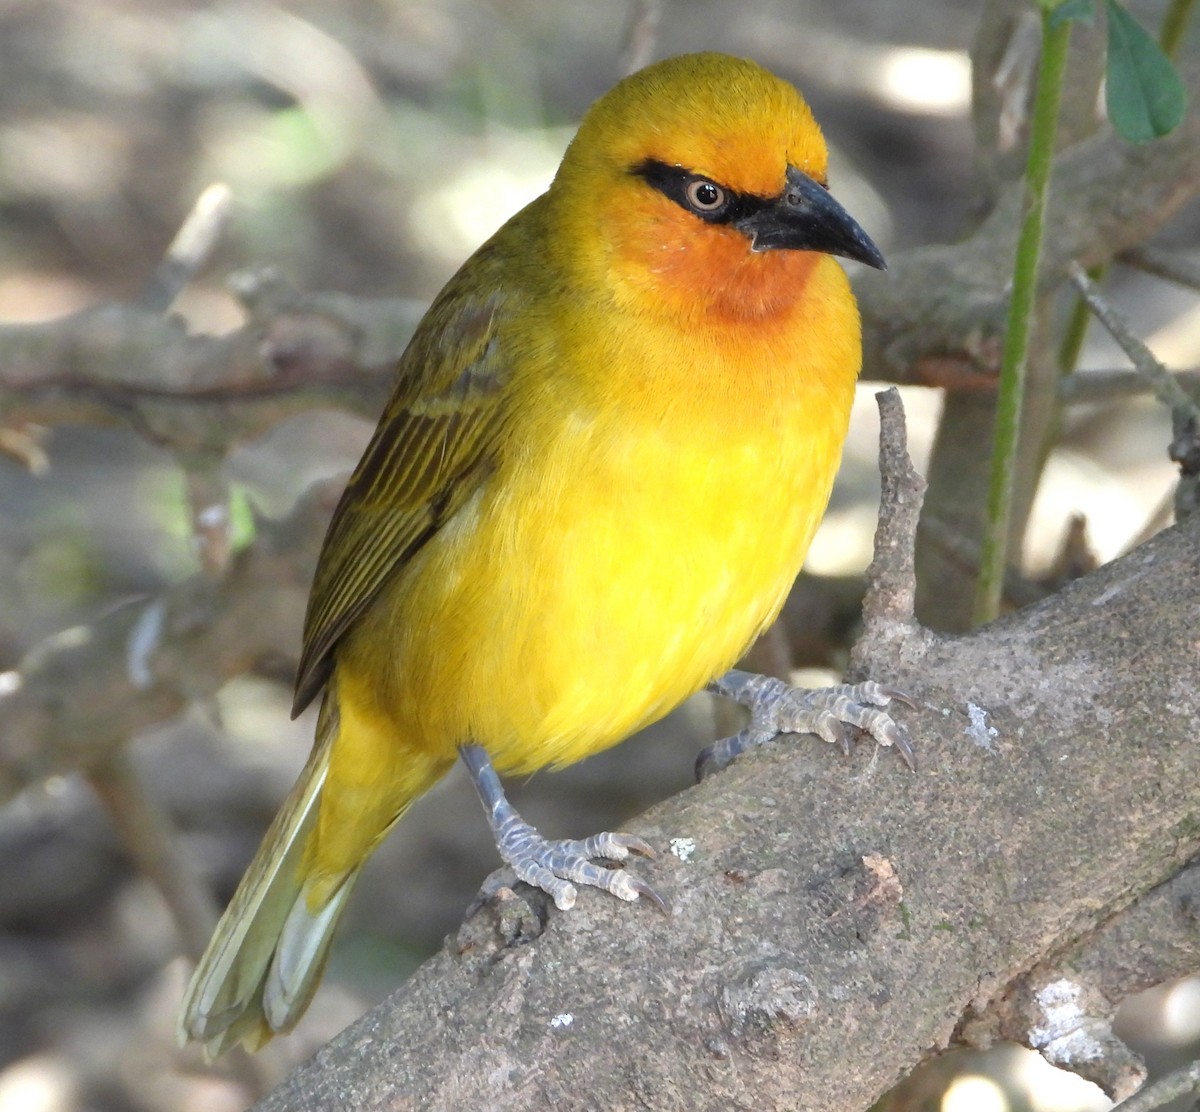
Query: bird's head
point(700, 181)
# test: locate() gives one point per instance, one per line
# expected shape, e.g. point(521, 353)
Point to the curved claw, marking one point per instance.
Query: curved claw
point(633, 844)
point(607, 846)
point(830, 728)
point(897, 737)
point(644, 889)
point(895, 695)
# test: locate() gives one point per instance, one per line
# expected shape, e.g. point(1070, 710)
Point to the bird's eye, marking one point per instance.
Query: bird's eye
point(704, 195)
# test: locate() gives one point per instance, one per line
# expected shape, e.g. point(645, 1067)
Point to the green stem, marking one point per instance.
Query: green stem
point(1055, 40)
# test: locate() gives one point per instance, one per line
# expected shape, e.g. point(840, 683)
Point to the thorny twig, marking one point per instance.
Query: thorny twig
point(1185, 415)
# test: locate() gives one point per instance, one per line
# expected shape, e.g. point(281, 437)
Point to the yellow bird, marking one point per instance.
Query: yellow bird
point(607, 449)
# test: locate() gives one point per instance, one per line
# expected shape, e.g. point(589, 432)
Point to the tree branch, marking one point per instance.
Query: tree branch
point(1185, 415)
point(122, 363)
point(1178, 1083)
point(1116, 385)
point(80, 696)
point(1151, 941)
point(190, 249)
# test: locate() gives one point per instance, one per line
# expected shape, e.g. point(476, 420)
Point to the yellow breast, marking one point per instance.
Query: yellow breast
point(623, 556)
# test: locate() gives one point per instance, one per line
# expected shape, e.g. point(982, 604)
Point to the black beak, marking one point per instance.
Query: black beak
point(807, 218)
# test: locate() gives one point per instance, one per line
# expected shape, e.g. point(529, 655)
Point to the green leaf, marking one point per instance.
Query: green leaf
point(1144, 93)
point(1082, 11)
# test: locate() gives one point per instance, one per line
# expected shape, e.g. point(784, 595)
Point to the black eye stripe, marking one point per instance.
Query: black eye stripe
point(673, 182)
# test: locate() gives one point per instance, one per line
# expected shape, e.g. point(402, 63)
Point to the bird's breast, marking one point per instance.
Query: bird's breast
point(642, 528)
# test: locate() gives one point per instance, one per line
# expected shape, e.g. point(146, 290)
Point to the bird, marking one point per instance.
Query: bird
point(608, 445)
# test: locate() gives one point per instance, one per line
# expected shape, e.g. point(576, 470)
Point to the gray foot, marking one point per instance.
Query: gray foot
point(778, 708)
point(556, 867)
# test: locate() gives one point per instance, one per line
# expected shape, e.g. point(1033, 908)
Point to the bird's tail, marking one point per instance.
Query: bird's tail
point(267, 954)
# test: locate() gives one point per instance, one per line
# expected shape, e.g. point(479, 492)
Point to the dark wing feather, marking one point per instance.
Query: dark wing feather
point(432, 448)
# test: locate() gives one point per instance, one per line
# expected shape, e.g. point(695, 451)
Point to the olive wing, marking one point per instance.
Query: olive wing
point(434, 445)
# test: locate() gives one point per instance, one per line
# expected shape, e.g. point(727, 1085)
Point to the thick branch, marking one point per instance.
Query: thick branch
point(121, 363)
point(1148, 943)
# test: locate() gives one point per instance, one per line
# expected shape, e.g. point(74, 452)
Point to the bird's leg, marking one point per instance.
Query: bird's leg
point(552, 866)
point(778, 708)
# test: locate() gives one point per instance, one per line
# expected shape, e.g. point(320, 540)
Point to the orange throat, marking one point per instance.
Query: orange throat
point(710, 272)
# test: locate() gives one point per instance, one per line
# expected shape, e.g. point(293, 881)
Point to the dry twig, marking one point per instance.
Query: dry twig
point(1185, 414)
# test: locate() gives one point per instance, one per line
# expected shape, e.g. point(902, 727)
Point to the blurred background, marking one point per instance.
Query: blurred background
point(369, 146)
